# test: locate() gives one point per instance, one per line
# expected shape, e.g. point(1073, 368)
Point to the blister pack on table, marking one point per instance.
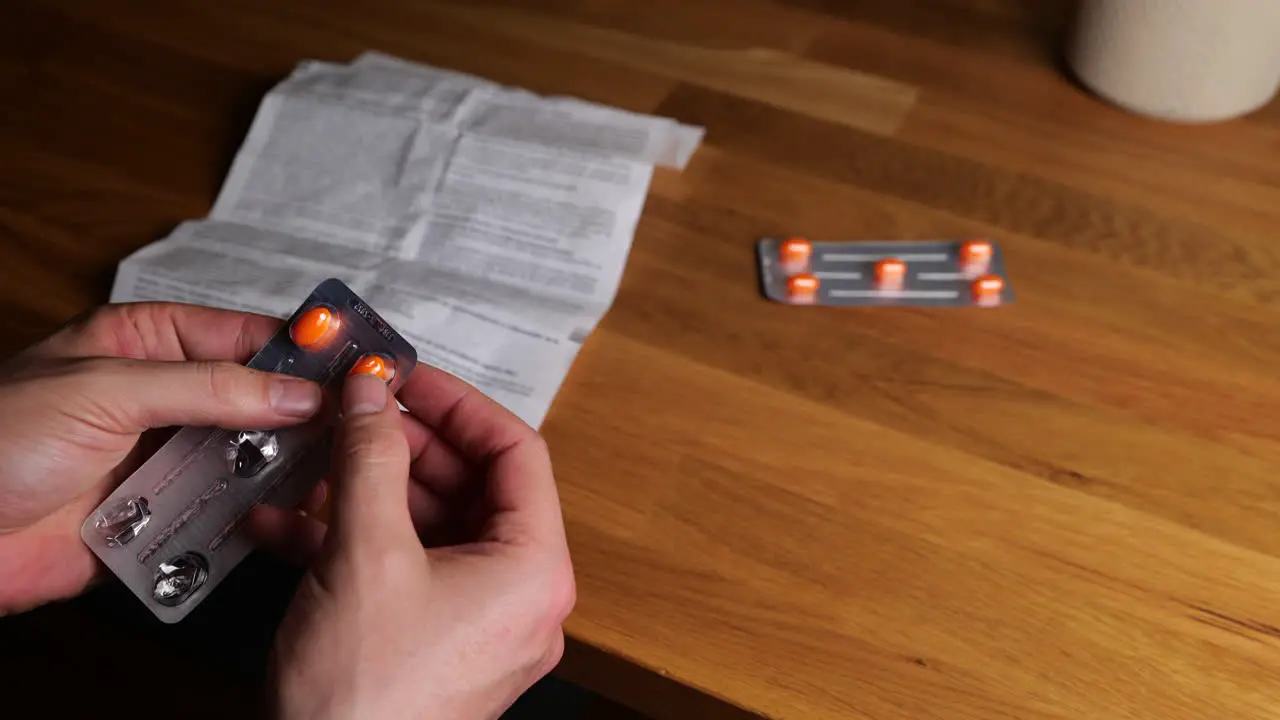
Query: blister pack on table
point(172, 531)
point(797, 271)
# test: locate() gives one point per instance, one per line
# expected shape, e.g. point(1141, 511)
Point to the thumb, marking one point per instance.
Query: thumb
point(130, 396)
point(370, 476)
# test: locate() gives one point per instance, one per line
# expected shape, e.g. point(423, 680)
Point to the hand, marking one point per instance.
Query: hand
point(446, 606)
point(72, 409)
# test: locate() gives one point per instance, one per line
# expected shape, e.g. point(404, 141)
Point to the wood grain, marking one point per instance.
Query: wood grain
point(1066, 508)
point(779, 78)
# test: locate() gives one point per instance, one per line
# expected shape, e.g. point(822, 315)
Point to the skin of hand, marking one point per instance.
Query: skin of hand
point(72, 409)
point(440, 585)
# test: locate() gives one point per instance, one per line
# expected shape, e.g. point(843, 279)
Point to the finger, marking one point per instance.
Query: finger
point(521, 487)
point(431, 517)
point(441, 523)
point(371, 466)
point(522, 495)
point(434, 464)
point(161, 331)
point(314, 504)
point(287, 534)
point(129, 396)
point(441, 484)
point(461, 415)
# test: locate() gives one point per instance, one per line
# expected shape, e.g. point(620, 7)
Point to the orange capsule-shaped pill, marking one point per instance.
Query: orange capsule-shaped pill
point(794, 254)
point(375, 364)
point(315, 328)
point(987, 289)
point(975, 255)
point(891, 273)
point(802, 288)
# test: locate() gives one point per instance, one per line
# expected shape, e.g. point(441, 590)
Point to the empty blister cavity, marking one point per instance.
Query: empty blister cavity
point(178, 578)
point(250, 451)
point(122, 520)
point(339, 362)
point(265, 489)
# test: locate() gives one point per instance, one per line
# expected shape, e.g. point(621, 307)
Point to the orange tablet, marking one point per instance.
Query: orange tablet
point(315, 328)
point(802, 288)
point(975, 255)
point(794, 254)
point(988, 289)
point(891, 274)
point(375, 364)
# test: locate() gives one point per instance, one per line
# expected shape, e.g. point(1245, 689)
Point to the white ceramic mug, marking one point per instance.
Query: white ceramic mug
point(1182, 60)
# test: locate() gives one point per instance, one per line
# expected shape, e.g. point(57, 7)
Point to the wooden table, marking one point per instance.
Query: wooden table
point(1066, 508)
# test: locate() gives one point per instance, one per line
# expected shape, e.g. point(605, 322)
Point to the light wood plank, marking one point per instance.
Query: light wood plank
point(778, 78)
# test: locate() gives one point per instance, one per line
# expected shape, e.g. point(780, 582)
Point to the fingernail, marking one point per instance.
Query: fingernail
point(296, 398)
point(364, 394)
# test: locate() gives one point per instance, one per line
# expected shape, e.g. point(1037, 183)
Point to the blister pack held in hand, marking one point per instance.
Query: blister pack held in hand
point(962, 273)
point(172, 530)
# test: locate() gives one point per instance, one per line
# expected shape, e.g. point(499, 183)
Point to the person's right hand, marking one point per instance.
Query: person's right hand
point(446, 606)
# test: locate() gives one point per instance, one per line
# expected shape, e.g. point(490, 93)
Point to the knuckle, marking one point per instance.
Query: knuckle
point(104, 319)
point(111, 328)
point(538, 452)
point(107, 330)
point(553, 656)
point(565, 592)
point(559, 594)
point(539, 444)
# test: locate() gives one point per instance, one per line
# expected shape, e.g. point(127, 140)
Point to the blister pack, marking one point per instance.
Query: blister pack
point(797, 271)
point(172, 531)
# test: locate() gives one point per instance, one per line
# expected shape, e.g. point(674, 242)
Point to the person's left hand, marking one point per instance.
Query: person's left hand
point(72, 409)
